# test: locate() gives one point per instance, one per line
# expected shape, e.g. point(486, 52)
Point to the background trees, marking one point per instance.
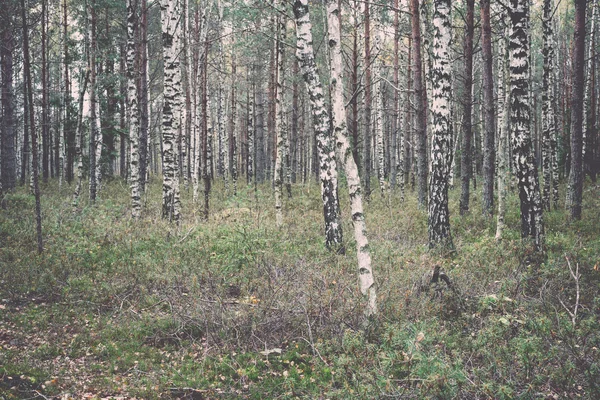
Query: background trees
point(151, 105)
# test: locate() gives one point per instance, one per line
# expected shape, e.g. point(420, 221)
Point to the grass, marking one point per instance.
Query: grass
point(236, 308)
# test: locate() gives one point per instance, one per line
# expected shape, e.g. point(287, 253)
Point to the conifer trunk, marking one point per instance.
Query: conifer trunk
point(575, 189)
point(467, 104)
point(8, 122)
point(34, 144)
point(420, 122)
point(488, 110)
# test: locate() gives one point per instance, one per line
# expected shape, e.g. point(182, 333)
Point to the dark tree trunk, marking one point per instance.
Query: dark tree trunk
point(368, 101)
point(143, 97)
point(488, 109)
point(420, 115)
point(355, 88)
point(575, 190)
point(46, 148)
point(466, 161)
point(34, 148)
point(8, 134)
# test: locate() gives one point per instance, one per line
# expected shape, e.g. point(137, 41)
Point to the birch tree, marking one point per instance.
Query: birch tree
point(133, 110)
point(548, 116)
point(441, 140)
point(95, 149)
point(280, 125)
point(532, 225)
point(503, 128)
point(321, 121)
point(171, 25)
point(344, 152)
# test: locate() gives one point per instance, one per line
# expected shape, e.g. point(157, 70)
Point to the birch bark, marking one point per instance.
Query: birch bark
point(344, 152)
point(321, 122)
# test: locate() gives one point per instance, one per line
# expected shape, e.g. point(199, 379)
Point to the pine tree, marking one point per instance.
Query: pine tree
point(467, 104)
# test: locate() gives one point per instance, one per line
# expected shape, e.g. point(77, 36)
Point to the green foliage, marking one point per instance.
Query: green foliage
point(236, 308)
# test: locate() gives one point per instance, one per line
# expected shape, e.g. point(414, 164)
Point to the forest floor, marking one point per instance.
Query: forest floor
point(236, 308)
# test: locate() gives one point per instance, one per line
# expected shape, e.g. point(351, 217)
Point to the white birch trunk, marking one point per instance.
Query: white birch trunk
point(344, 152)
point(523, 157)
point(503, 131)
point(171, 118)
point(441, 140)
point(133, 111)
point(321, 122)
point(280, 128)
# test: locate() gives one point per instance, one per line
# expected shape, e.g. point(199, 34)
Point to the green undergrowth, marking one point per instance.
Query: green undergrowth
point(233, 307)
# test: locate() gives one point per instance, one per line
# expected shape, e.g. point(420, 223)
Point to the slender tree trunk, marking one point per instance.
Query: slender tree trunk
point(46, 148)
point(64, 133)
point(122, 113)
point(34, 145)
point(355, 88)
point(232, 136)
point(419, 101)
point(588, 101)
point(8, 168)
point(575, 189)
point(503, 128)
point(396, 134)
point(548, 117)
point(133, 108)
point(250, 131)
point(467, 102)
point(489, 161)
point(171, 117)
point(95, 148)
point(79, 139)
point(441, 140)
point(532, 224)
point(205, 130)
point(344, 152)
point(280, 125)
point(368, 101)
point(325, 146)
point(144, 114)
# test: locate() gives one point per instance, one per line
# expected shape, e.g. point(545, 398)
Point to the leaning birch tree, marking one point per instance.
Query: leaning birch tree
point(171, 25)
point(344, 152)
point(532, 224)
point(325, 146)
point(441, 138)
